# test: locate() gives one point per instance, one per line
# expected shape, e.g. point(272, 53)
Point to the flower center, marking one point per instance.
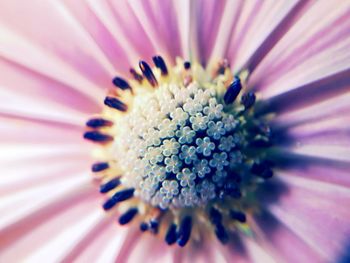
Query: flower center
point(179, 146)
point(186, 147)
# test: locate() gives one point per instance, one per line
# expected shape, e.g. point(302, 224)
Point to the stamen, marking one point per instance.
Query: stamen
point(221, 233)
point(128, 216)
point(124, 195)
point(171, 235)
point(97, 136)
point(148, 73)
point(260, 142)
point(222, 66)
point(118, 197)
point(109, 204)
point(267, 173)
point(259, 167)
point(159, 63)
point(262, 169)
point(248, 100)
point(136, 75)
point(110, 185)
point(154, 225)
point(215, 216)
point(232, 189)
point(184, 231)
point(98, 167)
point(121, 83)
point(144, 226)
point(115, 103)
point(98, 122)
point(233, 91)
point(239, 216)
point(187, 65)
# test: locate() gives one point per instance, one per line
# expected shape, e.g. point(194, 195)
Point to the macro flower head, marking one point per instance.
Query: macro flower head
point(175, 131)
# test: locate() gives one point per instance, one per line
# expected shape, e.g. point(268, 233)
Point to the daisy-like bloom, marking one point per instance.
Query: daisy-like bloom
point(221, 131)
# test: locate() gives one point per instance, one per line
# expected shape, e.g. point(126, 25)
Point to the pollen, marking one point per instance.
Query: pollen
point(179, 148)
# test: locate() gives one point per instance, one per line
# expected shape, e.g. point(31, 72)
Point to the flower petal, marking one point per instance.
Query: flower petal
point(99, 22)
point(95, 243)
point(256, 252)
point(306, 49)
point(226, 31)
point(268, 23)
point(281, 242)
point(284, 24)
point(43, 63)
point(69, 238)
point(160, 24)
point(62, 37)
point(42, 215)
point(326, 229)
point(310, 93)
point(206, 16)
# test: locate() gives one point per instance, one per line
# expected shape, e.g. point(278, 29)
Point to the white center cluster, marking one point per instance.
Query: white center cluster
point(178, 146)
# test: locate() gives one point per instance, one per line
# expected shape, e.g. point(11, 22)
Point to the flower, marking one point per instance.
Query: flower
point(281, 68)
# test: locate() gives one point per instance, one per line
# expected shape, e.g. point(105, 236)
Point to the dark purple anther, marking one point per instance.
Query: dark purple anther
point(98, 167)
point(184, 231)
point(128, 216)
point(148, 73)
point(115, 103)
point(187, 65)
point(136, 75)
point(171, 235)
point(104, 188)
point(248, 100)
point(239, 216)
point(98, 122)
point(97, 136)
point(232, 91)
point(121, 83)
point(159, 63)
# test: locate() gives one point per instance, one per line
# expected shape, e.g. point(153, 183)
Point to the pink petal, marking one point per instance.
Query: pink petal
point(126, 249)
point(43, 217)
point(113, 245)
point(95, 243)
point(99, 22)
point(234, 251)
point(128, 27)
point(282, 243)
point(68, 238)
point(148, 248)
point(182, 8)
point(25, 108)
point(22, 81)
point(332, 168)
point(226, 31)
point(12, 131)
point(326, 229)
point(38, 62)
point(207, 16)
point(310, 93)
point(308, 42)
point(248, 15)
point(284, 24)
point(268, 22)
point(80, 52)
point(326, 115)
point(256, 252)
point(160, 24)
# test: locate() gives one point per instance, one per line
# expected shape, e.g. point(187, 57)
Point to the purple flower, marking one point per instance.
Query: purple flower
point(230, 137)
